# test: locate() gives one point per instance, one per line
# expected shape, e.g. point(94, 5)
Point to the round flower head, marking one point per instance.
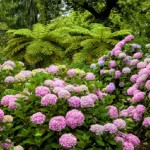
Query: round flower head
point(19, 147)
point(134, 62)
point(120, 123)
point(93, 96)
point(70, 88)
point(101, 63)
point(74, 101)
point(117, 74)
point(148, 85)
point(110, 87)
point(141, 65)
point(1, 115)
point(140, 109)
point(52, 69)
point(64, 94)
point(86, 101)
point(97, 129)
point(9, 79)
point(137, 55)
point(7, 144)
point(74, 118)
point(129, 38)
point(134, 78)
point(71, 72)
point(102, 72)
point(128, 146)
point(112, 64)
point(8, 118)
point(42, 90)
point(135, 46)
point(126, 70)
point(38, 118)
point(113, 112)
point(48, 83)
point(57, 123)
point(90, 76)
point(10, 63)
point(7, 99)
point(146, 122)
point(49, 99)
point(122, 55)
point(138, 97)
point(68, 140)
point(123, 113)
point(111, 128)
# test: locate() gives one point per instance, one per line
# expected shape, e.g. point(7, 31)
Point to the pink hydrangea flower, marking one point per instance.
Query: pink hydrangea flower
point(110, 87)
point(93, 96)
point(129, 38)
point(120, 123)
point(90, 76)
point(1, 114)
point(64, 94)
point(113, 112)
point(134, 78)
point(70, 88)
point(10, 63)
point(68, 140)
point(38, 118)
point(146, 122)
point(7, 99)
point(117, 74)
point(9, 79)
point(71, 72)
point(141, 65)
point(86, 101)
point(48, 83)
point(134, 62)
point(12, 105)
point(123, 113)
point(112, 64)
point(138, 97)
point(7, 144)
point(148, 85)
point(74, 118)
point(97, 129)
point(42, 90)
point(57, 123)
point(57, 89)
point(49, 99)
point(137, 55)
point(52, 69)
point(111, 128)
point(126, 70)
point(74, 101)
point(128, 146)
point(131, 90)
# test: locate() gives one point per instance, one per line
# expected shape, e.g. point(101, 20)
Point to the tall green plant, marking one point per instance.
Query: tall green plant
point(36, 46)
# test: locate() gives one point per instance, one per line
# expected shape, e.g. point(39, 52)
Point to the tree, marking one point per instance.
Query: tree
point(37, 46)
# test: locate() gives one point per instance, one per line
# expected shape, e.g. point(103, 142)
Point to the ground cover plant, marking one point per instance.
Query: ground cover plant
point(67, 108)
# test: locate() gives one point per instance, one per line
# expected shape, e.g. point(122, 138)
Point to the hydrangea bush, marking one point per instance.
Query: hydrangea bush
point(60, 108)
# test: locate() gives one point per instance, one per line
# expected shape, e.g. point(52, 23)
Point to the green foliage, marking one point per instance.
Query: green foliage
point(36, 46)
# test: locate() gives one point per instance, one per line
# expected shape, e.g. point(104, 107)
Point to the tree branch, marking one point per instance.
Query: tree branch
point(104, 14)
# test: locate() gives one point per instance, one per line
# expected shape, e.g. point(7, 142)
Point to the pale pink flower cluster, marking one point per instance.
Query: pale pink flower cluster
point(126, 70)
point(146, 122)
point(49, 99)
point(8, 99)
point(8, 143)
point(137, 55)
point(74, 101)
point(141, 65)
point(53, 69)
point(134, 62)
point(74, 118)
point(90, 76)
point(110, 88)
point(42, 90)
point(64, 94)
point(135, 113)
point(68, 141)
point(1, 114)
point(9, 79)
point(97, 129)
point(111, 128)
point(38, 118)
point(10, 63)
point(120, 123)
point(113, 112)
point(129, 141)
point(57, 123)
point(112, 64)
point(71, 72)
point(86, 101)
